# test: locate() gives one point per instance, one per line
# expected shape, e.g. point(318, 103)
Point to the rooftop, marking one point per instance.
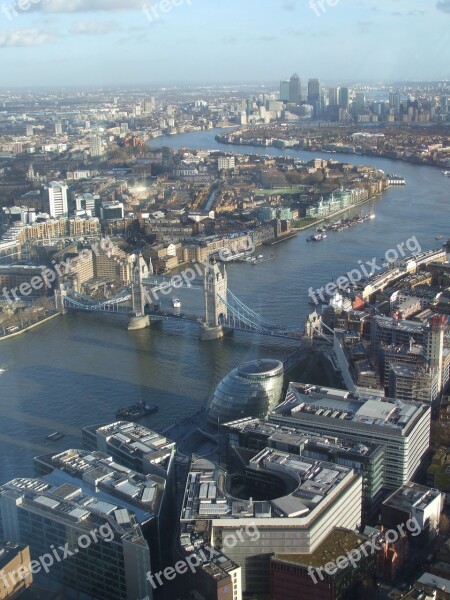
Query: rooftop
point(206, 497)
point(138, 441)
point(338, 543)
point(73, 505)
point(412, 495)
point(99, 472)
point(306, 399)
point(295, 437)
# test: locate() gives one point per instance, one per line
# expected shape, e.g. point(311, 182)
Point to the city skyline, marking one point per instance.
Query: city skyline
point(113, 42)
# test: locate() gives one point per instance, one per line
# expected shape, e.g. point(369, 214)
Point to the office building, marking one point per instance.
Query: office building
point(356, 367)
point(295, 89)
point(394, 102)
point(284, 90)
point(313, 91)
point(334, 96)
point(51, 516)
point(15, 570)
point(98, 475)
point(218, 578)
point(58, 129)
point(314, 96)
point(402, 427)
point(57, 200)
point(251, 390)
point(396, 333)
point(367, 459)
point(413, 382)
point(297, 576)
point(133, 446)
point(344, 97)
point(359, 103)
point(414, 501)
point(306, 499)
point(111, 210)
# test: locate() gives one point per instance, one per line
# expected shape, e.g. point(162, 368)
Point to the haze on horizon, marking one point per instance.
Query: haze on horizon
point(114, 42)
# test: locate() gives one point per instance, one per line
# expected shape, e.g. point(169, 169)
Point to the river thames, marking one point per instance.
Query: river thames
point(79, 369)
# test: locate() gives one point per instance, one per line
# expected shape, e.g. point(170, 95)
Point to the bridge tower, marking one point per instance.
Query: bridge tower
point(60, 294)
point(215, 287)
point(138, 319)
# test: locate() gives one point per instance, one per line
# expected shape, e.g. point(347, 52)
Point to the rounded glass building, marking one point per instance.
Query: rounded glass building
point(252, 390)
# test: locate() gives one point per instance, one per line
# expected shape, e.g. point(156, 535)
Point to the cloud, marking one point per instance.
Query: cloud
point(93, 28)
point(76, 6)
point(26, 38)
point(444, 5)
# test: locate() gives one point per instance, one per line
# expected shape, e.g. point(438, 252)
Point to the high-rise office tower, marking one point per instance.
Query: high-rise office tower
point(284, 90)
point(333, 96)
point(313, 91)
point(344, 97)
point(359, 103)
point(295, 89)
point(58, 128)
point(57, 200)
point(314, 96)
point(394, 102)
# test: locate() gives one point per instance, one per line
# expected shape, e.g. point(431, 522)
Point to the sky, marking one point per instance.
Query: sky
point(174, 42)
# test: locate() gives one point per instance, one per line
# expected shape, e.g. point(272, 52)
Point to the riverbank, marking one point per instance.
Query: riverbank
point(29, 327)
point(411, 160)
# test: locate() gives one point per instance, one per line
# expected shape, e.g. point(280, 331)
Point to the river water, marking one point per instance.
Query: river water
point(79, 369)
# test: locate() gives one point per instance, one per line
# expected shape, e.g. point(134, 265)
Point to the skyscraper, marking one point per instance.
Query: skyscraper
point(96, 146)
point(333, 95)
point(58, 128)
point(57, 200)
point(295, 89)
point(313, 91)
point(394, 102)
point(359, 103)
point(344, 97)
point(284, 90)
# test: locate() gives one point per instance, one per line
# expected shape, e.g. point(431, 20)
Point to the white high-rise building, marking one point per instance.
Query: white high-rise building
point(57, 200)
point(96, 146)
point(58, 129)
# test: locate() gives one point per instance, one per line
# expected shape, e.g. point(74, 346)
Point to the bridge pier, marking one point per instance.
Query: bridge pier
point(138, 321)
point(210, 333)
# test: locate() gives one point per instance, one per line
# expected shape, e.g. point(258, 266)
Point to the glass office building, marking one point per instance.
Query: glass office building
point(251, 390)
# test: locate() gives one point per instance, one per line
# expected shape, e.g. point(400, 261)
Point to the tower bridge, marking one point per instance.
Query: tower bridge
point(223, 310)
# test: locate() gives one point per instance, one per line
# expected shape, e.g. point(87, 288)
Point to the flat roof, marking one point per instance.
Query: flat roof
point(412, 495)
point(99, 473)
point(336, 544)
point(369, 409)
point(206, 498)
point(273, 432)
